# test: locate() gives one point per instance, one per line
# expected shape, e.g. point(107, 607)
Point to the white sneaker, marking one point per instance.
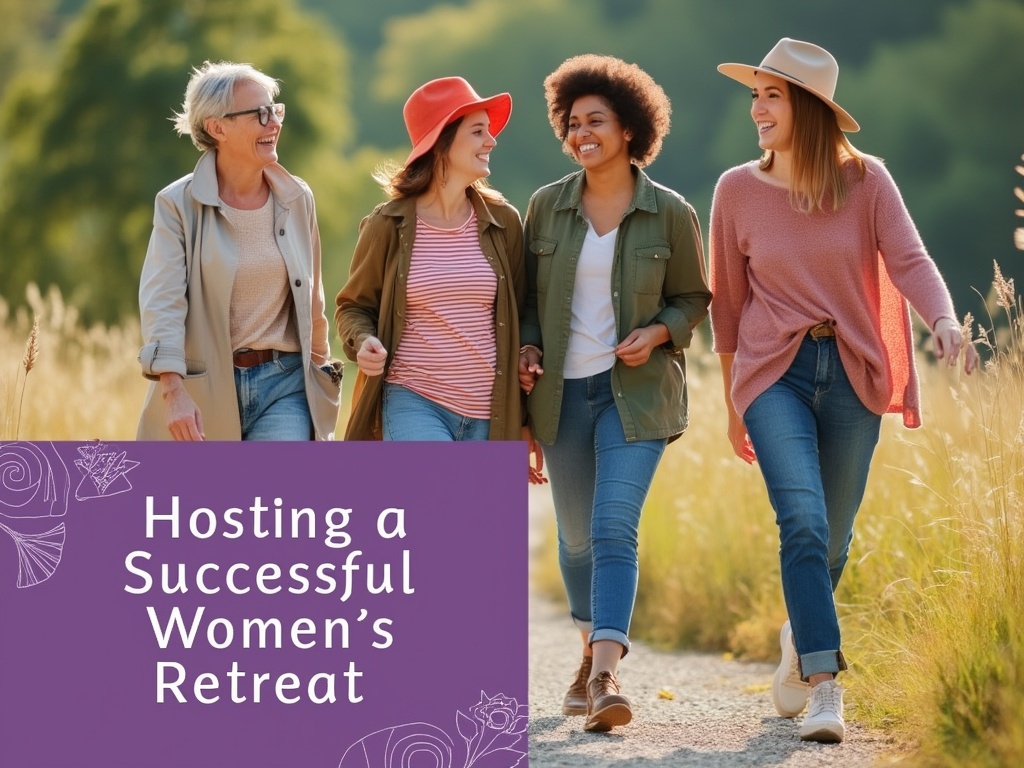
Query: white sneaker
point(789, 692)
point(824, 721)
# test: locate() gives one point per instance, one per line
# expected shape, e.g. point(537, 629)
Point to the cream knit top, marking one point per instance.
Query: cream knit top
point(776, 272)
point(261, 299)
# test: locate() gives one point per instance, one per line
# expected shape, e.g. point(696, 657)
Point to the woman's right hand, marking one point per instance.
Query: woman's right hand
point(183, 418)
point(371, 356)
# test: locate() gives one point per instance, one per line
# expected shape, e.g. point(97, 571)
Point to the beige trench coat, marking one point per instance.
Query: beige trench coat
point(185, 293)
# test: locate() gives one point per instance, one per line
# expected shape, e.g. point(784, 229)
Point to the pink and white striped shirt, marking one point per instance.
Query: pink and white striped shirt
point(447, 352)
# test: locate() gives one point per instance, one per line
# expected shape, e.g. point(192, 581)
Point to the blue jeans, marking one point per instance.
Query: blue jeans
point(814, 440)
point(272, 400)
point(411, 416)
point(598, 483)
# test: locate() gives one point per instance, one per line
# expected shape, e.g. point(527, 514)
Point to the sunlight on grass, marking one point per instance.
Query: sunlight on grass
point(84, 384)
point(932, 602)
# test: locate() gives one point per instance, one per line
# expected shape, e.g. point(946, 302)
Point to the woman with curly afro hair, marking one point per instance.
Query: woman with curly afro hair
point(615, 286)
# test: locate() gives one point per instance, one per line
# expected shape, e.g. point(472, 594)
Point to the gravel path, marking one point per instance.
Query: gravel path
point(689, 709)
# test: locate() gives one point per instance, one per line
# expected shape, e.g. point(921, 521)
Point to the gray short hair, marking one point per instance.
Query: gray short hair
point(209, 94)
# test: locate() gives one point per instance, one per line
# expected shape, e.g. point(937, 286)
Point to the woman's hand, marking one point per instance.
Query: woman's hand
point(371, 356)
point(737, 431)
point(535, 458)
point(183, 418)
point(947, 341)
point(529, 367)
point(739, 438)
point(636, 348)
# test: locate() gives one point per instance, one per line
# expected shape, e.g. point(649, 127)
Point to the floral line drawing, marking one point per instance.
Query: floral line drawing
point(494, 732)
point(35, 485)
point(497, 725)
point(31, 485)
point(38, 554)
point(103, 472)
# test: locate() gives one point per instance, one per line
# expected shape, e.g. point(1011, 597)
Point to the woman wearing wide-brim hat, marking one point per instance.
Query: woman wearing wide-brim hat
point(814, 259)
point(430, 311)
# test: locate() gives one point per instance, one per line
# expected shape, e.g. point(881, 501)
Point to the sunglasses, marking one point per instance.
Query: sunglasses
point(262, 112)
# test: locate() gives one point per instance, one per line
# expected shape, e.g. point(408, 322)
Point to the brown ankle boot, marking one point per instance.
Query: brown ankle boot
point(575, 701)
point(606, 707)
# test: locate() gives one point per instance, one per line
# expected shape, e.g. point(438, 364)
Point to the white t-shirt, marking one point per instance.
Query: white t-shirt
point(592, 337)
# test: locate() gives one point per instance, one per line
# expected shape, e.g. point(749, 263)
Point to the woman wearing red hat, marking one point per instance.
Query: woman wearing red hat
point(430, 311)
point(813, 261)
point(616, 286)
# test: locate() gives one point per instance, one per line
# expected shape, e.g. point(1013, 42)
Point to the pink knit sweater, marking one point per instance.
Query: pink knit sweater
point(776, 272)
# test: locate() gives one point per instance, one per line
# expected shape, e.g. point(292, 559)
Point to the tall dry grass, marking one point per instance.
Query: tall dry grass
point(83, 382)
point(931, 605)
point(932, 601)
point(946, 661)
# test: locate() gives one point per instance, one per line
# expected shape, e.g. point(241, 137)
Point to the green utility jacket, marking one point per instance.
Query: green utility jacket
point(658, 276)
point(373, 300)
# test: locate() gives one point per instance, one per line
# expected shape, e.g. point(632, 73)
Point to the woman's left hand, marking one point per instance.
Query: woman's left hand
point(947, 340)
point(636, 348)
point(529, 367)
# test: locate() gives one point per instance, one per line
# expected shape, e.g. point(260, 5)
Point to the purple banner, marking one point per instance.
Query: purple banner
point(266, 605)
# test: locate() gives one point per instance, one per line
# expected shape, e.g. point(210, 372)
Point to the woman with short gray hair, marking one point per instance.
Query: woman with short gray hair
point(234, 331)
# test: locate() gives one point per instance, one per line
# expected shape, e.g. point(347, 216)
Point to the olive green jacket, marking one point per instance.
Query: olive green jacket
point(658, 276)
point(372, 303)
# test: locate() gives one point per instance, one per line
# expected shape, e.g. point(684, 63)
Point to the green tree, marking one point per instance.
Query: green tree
point(22, 35)
point(946, 114)
point(90, 144)
point(512, 46)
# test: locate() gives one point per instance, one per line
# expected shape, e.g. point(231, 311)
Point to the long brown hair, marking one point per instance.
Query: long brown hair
point(415, 178)
point(820, 153)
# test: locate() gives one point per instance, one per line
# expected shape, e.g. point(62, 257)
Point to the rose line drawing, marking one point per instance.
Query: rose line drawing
point(497, 725)
point(494, 732)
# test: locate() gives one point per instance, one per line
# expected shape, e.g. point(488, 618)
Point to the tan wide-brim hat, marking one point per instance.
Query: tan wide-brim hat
point(434, 105)
point(805, 64)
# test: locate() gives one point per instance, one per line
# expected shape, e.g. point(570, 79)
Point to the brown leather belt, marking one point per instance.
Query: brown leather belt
point(821, 330)
point(247, 358)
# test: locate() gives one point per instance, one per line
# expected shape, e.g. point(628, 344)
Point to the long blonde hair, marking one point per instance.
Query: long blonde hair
point(820, 154)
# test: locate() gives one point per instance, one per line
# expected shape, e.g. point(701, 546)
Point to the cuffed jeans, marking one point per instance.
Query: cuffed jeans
point(272, 400)
point(814, 440)
point(599, 483)
point(408, 415)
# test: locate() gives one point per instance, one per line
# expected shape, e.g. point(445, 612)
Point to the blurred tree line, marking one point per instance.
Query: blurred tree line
point(87, 87)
